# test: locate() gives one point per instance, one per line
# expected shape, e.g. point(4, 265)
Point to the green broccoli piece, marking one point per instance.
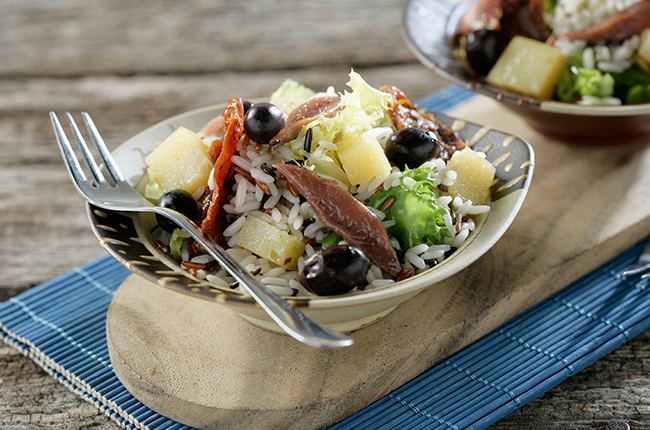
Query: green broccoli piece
point(638, 94)
point(577, 82)
point(416, 212)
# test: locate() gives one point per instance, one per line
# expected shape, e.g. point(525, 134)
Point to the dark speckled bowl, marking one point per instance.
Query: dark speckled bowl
point(429, 26)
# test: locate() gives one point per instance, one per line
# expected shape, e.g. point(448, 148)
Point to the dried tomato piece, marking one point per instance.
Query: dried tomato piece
point(403, 113)
point(221, 153)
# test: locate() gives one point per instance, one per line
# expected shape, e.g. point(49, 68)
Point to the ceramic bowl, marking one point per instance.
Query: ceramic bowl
point(126, 235)
point(429, 27)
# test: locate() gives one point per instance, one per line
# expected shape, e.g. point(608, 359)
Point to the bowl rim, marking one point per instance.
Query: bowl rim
point(410, 285)
point(481, 86)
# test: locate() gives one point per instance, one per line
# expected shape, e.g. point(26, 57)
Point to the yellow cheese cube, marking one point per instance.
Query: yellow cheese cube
point(265, 240)
point(181, 161)
point(528, 67)
point(475, 176)
point(362, 159)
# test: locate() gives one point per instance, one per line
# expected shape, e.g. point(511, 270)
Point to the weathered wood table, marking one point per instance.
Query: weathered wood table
point(132, 64)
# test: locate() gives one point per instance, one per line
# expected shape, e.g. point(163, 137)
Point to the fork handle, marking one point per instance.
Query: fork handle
point(289, 318)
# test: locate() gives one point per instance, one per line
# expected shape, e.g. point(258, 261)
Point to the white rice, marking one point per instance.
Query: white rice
point(574, 15)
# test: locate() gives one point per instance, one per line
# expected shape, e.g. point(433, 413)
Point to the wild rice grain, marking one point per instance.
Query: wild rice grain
point(387, 204)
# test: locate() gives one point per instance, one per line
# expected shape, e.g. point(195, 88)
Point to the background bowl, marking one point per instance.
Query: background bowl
point(429, 26)
point(126, 235)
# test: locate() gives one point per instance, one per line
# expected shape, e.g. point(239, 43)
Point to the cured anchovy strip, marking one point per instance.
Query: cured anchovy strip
point(303, 115)
point(618, 27)
point(345, 215)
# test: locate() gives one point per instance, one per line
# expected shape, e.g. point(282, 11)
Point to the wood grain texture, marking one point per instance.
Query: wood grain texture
point(153, 37)
point(132, 64)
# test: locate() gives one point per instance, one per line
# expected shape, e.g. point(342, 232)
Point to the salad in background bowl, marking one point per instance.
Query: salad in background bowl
point(346, 204)
point(576, 70)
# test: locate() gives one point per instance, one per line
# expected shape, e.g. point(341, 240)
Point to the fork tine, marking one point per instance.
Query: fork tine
point(71, 160)
point(85, 150)
point(104, 153)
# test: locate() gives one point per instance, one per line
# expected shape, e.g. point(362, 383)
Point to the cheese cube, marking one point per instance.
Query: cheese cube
point(528, 67)
point(475, 176)
point(181, 161)
point(362, 159)
point(268, 241)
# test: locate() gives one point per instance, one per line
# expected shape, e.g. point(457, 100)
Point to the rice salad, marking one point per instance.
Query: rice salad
point(610, 58)
point(589, 52)
point(302, 202)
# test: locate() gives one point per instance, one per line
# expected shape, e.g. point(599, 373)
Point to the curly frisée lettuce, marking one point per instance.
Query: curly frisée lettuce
point(176, 243)
point(363, 109)
point(290, 95)
point(418, 218)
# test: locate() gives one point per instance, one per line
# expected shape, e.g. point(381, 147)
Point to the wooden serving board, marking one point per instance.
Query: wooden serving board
point(202, 365)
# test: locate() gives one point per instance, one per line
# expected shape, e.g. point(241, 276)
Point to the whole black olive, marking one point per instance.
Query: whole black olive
point(180, 201)
point(411, 147)
point(335, 270)
point(263, 121)
point(483, 48)
point(247, 105)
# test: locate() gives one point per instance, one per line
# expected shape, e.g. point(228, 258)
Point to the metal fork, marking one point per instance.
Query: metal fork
point(642, 265)
point(116, 194)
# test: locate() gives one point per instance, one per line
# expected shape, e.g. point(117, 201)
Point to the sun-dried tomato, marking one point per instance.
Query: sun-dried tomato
point(404, 113)
point(221, 153)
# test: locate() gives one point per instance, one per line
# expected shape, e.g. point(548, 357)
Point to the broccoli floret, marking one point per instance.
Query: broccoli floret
point(578, 82)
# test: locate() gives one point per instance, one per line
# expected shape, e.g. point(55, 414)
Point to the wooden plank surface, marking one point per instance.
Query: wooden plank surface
point(131, 64)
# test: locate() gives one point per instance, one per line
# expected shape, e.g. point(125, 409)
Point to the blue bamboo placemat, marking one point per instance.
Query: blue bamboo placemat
point(60, 324)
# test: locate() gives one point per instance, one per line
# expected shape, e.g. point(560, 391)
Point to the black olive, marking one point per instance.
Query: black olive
point(263, 121)
point(483, 48)
point(180, 201)
point(247, 105)
point(335, 270)
point(411, 147)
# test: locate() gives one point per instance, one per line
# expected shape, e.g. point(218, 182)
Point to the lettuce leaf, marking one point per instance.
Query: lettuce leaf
point(363, 108)
point(152, 190)
point(416, 212)
point(290, 95)
point(176, 243)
